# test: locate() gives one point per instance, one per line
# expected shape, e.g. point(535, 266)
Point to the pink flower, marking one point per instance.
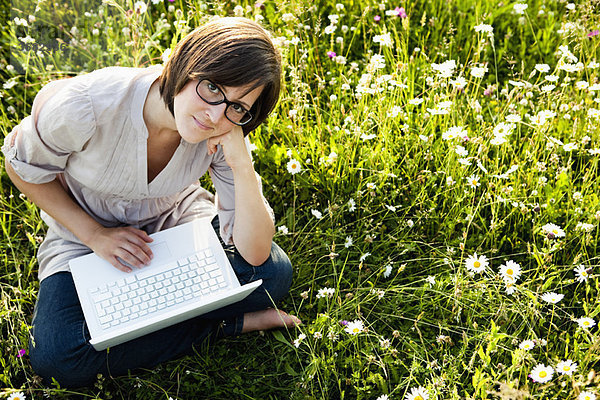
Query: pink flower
point(377, 18)
point(331, 54)
point(21, 353)
point(595, 32)
point(400, 12)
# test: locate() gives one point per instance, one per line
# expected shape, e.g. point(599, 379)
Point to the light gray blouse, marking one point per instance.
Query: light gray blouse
point(92, 136)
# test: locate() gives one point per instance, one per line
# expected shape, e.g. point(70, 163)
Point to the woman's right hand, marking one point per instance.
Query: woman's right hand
point(127, 244)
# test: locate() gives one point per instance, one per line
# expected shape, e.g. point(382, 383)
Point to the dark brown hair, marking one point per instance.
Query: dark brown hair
point(228, 51)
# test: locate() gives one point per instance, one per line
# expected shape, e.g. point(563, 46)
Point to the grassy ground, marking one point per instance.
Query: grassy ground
point(408, 143)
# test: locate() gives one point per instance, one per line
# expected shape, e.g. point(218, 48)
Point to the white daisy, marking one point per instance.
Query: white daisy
point(419, 393)
point(351, 205)
point(299, 340)
point(283, 229)
point(16, 396)
point(473, 181)
point(527, 345)
point(364, 256)
point(388, 271)
point(354, 327)
point(476, 263)
point(566, 367)
point(348, 241)
point(293, 166)
point(581, 273)
point(511, 271)
point(585, 322)
point(541, 373)
point(586, 395)
point(317, 214)
point(553, 231)
point(383, 397)
point(552, 297)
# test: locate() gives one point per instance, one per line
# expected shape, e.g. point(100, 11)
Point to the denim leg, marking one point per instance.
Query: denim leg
point(276, 274)
point(59, 345)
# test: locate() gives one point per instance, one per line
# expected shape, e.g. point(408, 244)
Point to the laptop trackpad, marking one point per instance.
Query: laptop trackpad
point(160, 251)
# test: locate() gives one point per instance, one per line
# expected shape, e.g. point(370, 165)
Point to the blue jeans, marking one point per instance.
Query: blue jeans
point(59, 344)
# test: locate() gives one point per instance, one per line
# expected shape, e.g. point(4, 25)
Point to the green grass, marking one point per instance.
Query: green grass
point(431, 323)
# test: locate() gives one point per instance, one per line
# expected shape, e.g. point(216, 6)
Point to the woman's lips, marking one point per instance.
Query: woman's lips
point(200, 124)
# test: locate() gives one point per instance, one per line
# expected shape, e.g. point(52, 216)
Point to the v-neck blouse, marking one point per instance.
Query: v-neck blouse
point(91, 134)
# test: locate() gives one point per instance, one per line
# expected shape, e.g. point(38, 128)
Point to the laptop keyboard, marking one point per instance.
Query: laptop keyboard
point(150, 291)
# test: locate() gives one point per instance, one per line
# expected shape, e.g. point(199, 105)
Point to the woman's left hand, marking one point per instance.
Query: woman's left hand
point(234, 147)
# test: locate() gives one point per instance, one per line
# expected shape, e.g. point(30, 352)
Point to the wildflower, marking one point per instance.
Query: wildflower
point(16, 396)
point(586, 395)
point(351, 205)
point(459, 83)
point(570, 147)
point(355, 327)
point(317, 214)
point(454, 132)
point(585, 322)
point(541, 373)
point(384, 40)
point(21, 353)
point(476, 263)
point(543, 68)
point(553, 231)
point(388, 271)
point(364, 256)
point(552, 297)
point(419, 393)
point(582, 226)
point(348, 241)
point(299, 340)
point(479, 72)
point(485, 28)
point(283, 229)
point(371, 186)
point(383, 397)
point(513, 118)
point(595, 32)
point(581, 273)
point(325, 292)
point(527, 345)
point(385, 343)
point(377, 18)
point(293, 166)
point(444, 69)
point(430, 279)
point(510, 272)
point(415, 101)
point(510, 288)
point(331, 54)
point(520, 8)
point(566, 367)
point(473, 181)
point(140, 7)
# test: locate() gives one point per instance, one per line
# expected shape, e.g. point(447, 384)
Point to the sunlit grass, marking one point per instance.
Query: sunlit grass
point(386, 206)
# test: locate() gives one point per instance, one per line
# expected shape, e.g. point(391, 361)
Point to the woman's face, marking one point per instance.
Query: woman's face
point(197, 120)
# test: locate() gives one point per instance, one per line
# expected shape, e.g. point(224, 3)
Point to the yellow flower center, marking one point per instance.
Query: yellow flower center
point(543, 374)
point(355, 330)
point(509, 271)
point(418, 398)
point(587, 398)
point(566, 368)
point(586, 323)
point(476, 264)
point(555, 231)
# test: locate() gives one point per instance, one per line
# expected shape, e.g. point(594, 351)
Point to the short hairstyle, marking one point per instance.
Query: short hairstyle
point(228, 51)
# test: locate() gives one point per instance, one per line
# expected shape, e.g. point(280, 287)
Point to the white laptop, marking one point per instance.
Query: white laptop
point(188, 276)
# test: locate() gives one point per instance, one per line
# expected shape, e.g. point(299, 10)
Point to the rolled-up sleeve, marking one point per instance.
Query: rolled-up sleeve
point(39, 149)
point(222, 178)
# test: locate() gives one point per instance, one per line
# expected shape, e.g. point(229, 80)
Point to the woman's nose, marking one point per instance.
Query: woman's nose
point(216, 112)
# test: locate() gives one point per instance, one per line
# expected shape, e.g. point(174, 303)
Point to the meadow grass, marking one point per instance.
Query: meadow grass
point(418, 155)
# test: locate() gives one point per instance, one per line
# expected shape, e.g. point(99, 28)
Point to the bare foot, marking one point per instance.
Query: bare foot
point(268, 319)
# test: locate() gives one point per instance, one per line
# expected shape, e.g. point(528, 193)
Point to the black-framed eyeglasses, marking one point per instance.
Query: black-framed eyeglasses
point(213, 95)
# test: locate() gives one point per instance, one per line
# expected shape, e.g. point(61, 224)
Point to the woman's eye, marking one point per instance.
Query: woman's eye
point(212, 87)
point(238, 109)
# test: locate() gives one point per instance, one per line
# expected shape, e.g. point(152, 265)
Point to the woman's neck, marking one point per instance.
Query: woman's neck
point(157, 116)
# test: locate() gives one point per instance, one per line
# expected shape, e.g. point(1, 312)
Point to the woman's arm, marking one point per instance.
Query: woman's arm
point(128, 244)
point(253, 228)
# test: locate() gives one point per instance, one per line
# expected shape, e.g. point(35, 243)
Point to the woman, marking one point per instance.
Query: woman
point(116, 154)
